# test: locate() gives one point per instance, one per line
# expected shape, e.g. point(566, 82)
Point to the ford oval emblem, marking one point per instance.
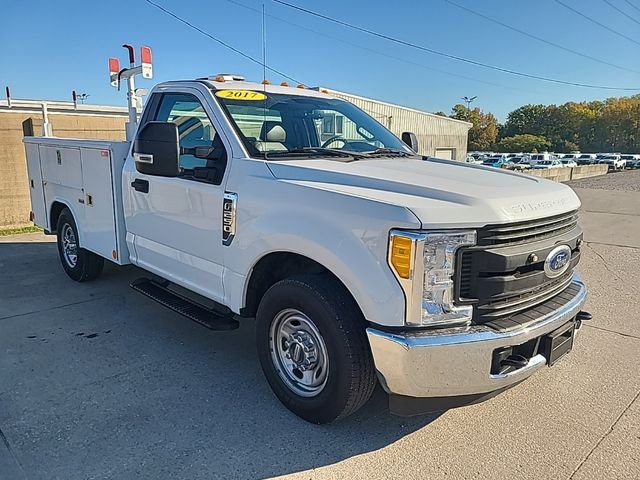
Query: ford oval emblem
point(557, 262)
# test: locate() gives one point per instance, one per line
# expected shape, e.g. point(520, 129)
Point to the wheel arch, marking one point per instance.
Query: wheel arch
point(278, 265)
point(57, 206)
point(54, 214)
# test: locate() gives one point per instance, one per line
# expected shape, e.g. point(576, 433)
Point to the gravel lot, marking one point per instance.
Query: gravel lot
point(625, 181)
point(99, 382)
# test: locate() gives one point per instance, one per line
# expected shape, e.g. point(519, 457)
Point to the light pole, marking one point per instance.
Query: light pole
point(83, 96)
point(468, 101)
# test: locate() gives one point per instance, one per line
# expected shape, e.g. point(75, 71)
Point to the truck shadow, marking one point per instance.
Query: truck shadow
point(264, 439)
point(182, 400)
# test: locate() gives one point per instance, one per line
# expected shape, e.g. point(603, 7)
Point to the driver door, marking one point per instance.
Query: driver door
point(176, 222)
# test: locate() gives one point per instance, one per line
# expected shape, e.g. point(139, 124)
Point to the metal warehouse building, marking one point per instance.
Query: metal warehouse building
point(438, 136)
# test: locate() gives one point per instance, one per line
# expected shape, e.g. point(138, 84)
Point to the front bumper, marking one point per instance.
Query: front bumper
point(457, 361)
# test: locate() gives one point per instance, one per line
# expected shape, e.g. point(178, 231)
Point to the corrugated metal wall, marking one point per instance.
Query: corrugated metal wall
point(434, 132)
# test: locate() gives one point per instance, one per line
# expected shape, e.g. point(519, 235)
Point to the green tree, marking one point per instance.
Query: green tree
point(612, 125)
point(484, 131)
point(524, 143)
point(533, 119)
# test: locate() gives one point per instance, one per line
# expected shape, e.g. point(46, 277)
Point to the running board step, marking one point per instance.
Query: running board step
point(206, 317)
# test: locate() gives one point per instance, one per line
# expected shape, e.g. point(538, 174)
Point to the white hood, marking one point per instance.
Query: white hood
point(441, 193)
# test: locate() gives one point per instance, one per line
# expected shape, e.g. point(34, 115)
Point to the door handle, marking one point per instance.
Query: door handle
point(141, 185)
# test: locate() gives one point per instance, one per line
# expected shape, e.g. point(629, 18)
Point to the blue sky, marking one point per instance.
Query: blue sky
point(49, 48)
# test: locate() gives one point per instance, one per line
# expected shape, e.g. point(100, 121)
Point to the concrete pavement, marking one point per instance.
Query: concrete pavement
point(97, 381)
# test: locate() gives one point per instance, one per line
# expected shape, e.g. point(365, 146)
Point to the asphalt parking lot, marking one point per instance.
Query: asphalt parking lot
point(97, 381)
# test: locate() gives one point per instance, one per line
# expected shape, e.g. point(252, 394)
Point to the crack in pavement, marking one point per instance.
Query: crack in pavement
point(606, 434)
point(606, 266)
point(11, 453)
point(613, 331)
point(56, 307)
point(613, 245)
point(612, 213)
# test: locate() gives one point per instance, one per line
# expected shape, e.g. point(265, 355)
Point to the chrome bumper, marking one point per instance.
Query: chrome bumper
point(457, 361)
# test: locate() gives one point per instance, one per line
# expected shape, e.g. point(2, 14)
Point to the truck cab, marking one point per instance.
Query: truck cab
point(361, 261)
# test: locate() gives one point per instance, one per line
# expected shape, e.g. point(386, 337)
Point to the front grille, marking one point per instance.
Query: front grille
point(530, 231)
point(512, 303)
point(503, 276)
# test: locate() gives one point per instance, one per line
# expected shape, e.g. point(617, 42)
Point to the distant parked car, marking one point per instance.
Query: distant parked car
point(568, 162)
point(474, 160)
point(547, 164)
point(615, 162)
point(497, 161)
point(571, 156)
point(541, 157)
point(631, 161)
point(520, 163)
point(587, 159)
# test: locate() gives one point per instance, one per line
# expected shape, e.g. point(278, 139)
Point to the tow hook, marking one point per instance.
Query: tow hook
point(581, 317)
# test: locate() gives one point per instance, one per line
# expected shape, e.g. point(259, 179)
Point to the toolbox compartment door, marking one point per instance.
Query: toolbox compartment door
point(99, 224)
point(36, 186)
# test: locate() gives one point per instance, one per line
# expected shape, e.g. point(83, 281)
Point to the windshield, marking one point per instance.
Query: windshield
point(279, 125)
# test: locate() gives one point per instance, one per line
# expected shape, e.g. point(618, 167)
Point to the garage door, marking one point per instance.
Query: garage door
point(446, 153)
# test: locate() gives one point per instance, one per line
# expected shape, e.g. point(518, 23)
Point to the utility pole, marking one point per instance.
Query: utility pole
point(468, 101)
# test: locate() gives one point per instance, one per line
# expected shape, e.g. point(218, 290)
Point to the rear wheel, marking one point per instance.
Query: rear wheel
point(313, 348)
point(80, 264)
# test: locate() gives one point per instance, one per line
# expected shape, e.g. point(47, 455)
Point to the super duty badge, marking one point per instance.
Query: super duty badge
point(229, 204)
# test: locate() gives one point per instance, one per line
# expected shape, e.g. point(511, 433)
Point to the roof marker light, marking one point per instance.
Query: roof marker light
point(284, 84)
point(300, 85)
point(265, 82)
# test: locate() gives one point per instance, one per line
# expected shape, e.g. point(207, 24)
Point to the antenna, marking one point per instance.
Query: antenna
point(264, 48)
point(264, 75)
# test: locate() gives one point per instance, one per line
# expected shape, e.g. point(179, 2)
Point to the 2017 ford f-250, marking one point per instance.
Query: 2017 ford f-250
point(361, 261)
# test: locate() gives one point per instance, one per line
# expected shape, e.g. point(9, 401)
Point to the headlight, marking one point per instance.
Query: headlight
point(424, 264)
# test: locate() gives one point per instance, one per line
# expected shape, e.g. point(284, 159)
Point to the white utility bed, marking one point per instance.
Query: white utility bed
point(86, 177)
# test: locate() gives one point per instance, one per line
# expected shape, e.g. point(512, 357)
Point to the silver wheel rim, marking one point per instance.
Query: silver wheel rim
point(298, 353)
point(69, 245)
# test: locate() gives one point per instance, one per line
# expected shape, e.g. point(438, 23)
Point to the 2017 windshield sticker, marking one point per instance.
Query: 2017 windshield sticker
point(247, 95)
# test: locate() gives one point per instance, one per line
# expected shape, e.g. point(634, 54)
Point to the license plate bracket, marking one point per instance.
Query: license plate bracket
point(558, 343)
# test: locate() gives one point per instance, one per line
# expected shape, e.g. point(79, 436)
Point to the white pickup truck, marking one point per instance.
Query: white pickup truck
point(361, 261)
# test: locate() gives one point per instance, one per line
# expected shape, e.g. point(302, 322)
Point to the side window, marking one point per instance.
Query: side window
point(255, 123)
point(195, 130)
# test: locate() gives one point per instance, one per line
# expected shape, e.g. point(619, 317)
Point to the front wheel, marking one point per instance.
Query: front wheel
point(80, 264)
point(313, 348)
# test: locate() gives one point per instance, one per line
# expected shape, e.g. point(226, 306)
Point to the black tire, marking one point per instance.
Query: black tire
point(351, 377)
point(88, 265)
